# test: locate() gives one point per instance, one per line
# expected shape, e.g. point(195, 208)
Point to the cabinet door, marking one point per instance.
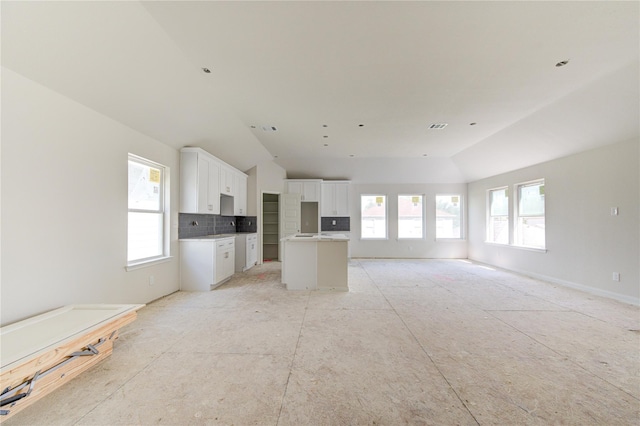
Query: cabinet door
point(311, 191)
point(220, 264)
point(240, 198)
point(252, 250)
point(213, 184)
point(203, 185)
point(226, 181)
point(207, 186)
point(327, 202)
point(341, 199)
point(294, 188)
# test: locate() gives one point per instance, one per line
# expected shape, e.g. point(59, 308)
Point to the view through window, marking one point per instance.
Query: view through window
point(498, 223)
point(448, 216)
point(410, 216)
point(146, 219)
point(373, 209)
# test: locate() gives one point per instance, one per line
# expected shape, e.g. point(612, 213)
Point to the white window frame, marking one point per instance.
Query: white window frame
point(435, 210)
point(422, 218)
point(386, 218)
point(517, 231)
point(489, 228)
point(164, 211)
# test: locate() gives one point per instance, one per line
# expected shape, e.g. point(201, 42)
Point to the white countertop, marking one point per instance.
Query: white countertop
point(215, 237)
point(316, 238)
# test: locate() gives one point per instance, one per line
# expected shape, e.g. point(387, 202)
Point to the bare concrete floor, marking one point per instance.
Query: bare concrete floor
point(439, 342)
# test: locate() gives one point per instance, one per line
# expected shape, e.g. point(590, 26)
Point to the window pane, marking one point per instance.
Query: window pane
point(530, 224)
point(145, 235)
point(410, 213)
point(531, 198)
point(144, 187)
point(499, 229)
point(499, 202)
point(531, 231)
point(448, 216)
point(374, 216)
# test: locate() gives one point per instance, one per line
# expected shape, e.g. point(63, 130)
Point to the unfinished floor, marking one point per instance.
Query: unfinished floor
point(441, 342)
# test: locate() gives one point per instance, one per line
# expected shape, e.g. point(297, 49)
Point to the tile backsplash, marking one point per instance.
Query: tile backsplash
point(341, 224)
point(198, 225)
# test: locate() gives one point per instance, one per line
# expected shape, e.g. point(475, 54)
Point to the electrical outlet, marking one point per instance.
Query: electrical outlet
point(152, 280)
point(616, 276)
point(614, 211)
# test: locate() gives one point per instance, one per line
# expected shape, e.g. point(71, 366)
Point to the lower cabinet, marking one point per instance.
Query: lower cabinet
point(206, 263)
point(246, 251)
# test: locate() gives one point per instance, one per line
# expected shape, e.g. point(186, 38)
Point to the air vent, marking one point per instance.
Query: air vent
point(438, 126)
point(269, 128)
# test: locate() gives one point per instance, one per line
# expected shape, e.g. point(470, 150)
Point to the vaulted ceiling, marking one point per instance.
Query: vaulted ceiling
point(346, 89)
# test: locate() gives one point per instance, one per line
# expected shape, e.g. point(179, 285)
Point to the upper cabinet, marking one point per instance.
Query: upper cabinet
point(227, 181)
point(309, 189)
point(240, 197)
point(335, 199)
point(199, 182)
point(203, 178)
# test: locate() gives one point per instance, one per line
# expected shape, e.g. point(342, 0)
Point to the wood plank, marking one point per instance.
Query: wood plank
point(24, 372)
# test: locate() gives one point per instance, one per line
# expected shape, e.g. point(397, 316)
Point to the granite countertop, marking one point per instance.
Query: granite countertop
point(215, 237)
point(316, 237)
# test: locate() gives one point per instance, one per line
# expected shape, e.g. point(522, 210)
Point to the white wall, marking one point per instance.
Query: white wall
point(585, 244)
point(64, 205)
point(392, 248)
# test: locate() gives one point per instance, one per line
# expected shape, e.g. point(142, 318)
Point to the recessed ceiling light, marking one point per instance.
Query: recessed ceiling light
point(562, 63)
point(269, 128)
point(206, 70)
point(438, 126)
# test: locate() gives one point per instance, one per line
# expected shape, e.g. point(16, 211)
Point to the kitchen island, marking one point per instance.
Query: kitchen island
point(315, 262)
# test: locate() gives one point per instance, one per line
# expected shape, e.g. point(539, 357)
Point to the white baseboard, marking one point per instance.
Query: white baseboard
point(592, 290)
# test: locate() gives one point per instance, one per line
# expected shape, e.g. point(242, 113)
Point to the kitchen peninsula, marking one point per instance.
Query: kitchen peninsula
point(315, 262)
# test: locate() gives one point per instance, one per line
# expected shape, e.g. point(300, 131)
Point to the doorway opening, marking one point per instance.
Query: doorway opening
point(270, 227)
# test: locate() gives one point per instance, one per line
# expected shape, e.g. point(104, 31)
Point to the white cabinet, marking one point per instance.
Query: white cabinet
point(227, 184)
point(309, 189)
point(203, 178)
point(206, 263)
point(199, 182)
point(240, 197)
point(335, 199)
point(246, 251)
point(225, 259)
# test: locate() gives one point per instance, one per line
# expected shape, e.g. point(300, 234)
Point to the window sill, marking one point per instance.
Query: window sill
point(147, 263)
point(539, 250)
point(450, 240)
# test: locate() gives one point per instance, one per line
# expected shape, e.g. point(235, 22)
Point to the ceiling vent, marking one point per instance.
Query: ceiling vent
point(438, 126)
point(269, 128)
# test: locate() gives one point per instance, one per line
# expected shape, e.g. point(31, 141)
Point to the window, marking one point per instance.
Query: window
point(146, 223)
point(373, 223)
point(498, 220)
point(448, 217)
point(529, 224)
point(410, 216)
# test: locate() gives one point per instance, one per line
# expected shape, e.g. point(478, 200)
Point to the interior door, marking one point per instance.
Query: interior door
point(289, 214)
